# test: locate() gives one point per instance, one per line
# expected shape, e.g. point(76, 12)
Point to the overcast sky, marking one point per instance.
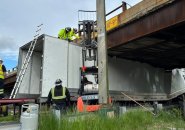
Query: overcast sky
point(19, 18)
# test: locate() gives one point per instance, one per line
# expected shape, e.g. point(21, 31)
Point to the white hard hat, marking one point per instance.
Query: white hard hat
point(1, 59)
point(58, 82)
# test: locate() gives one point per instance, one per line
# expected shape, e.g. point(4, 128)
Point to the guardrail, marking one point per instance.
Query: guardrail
point(91, 15)
point(13, 70)
point(135, 12)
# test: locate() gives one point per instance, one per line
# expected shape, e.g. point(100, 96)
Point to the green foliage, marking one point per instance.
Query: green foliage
point(9, 118)
point(132, 120)
point(171, 118)
point(137, 119)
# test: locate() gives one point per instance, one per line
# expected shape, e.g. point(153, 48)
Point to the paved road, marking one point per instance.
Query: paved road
point(10, 126)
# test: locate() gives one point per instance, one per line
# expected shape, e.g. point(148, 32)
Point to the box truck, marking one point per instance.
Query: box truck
point(54, 58)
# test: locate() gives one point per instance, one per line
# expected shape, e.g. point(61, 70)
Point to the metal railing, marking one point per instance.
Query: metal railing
point(123, 6)
point(91, 15)
point(86, 15)
point(11, 71)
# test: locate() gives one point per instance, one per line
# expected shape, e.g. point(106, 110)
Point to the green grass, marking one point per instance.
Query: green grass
point(133, 120)
point(9, 118)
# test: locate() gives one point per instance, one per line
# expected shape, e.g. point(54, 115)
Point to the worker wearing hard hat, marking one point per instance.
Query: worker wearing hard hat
point(2, 76)
point(59, 96)
point(64, 33)
point(73, 34)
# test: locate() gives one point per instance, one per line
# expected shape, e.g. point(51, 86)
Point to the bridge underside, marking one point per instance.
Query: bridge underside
point(157, 38)
point(9, 83)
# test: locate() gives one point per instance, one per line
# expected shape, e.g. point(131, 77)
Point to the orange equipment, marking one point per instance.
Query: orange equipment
point(88, 108)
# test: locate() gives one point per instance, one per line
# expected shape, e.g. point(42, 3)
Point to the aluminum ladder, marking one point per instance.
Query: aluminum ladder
point(25, 64)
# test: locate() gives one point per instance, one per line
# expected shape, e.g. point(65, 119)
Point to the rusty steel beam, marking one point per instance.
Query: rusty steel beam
point(19, 100)
point(10, 79)
point(167, 16)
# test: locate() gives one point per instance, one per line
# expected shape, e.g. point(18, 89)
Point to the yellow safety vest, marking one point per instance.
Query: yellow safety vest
point(58, 97)
point(1, 72)
point(62, 34)
point(1, 91)
point(72, 35)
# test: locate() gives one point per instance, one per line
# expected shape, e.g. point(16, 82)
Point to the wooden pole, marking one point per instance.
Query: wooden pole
point(102, 53)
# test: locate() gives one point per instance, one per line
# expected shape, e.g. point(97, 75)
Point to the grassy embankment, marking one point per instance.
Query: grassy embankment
point(9, 118)
point(133, 120)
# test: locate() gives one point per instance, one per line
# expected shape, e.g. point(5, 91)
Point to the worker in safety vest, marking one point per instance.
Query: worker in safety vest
point(2, 76)
point(59, 96)
point(73, 34)
point(64, 33)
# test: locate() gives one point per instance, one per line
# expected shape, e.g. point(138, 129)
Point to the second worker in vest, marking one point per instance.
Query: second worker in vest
point(59, 97)
point(68, 34)
point(73, 34)
point(64, 33)
point(2, 76)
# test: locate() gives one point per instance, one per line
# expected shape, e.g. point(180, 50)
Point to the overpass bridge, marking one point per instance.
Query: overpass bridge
point(10, 80)
point(153, 32)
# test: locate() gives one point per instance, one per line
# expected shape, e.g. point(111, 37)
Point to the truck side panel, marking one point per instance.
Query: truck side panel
point(74, 63)
point(32, 75)
point(24, 88)
point(35, 73)
point(178, 82)
point(54, 63)
point(135, 77)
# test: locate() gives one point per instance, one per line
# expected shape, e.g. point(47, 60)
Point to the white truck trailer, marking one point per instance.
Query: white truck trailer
point(54, 58)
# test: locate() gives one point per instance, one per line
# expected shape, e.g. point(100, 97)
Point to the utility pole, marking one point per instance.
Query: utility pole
point(102, 53)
